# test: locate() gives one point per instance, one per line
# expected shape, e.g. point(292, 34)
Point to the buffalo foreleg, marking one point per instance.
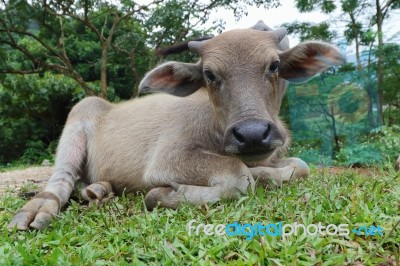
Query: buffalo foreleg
point(174, 195)
point(70, 162)
point(38, 212)
point(283, 170)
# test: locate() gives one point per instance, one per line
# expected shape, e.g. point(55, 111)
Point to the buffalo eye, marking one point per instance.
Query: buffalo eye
point(274, 67)
point(209, 75)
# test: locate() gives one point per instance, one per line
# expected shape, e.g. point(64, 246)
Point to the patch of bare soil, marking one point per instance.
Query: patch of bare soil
point(36, 176)
point(366, 172)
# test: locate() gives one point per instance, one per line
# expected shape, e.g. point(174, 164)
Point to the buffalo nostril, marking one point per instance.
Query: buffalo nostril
point(267, 132)
point(238, 136)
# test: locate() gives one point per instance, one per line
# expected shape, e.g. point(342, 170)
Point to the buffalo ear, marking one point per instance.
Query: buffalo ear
point(307, 59)
point(180, 79)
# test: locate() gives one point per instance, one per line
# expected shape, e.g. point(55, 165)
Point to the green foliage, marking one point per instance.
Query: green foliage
point(347, 67)
point(392, 115)
point(392, 80)
point(310, 152)
point(386, 140)
point(335, 112)
point(122, 232)
point(326, 6)
point(360, 16)
point(35, 152)
point(33, 111)
point(360, 153)
point(311, 31)
point(381, 145)
point(102, 40)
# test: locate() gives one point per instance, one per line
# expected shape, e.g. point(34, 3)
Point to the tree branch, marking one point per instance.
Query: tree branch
point(21, 72)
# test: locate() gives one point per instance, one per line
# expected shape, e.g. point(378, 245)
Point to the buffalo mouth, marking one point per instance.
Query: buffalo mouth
point(249, 156)
point(255, 156)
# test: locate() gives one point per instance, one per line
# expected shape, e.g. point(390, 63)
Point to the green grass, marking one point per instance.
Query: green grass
point(121, 231)
point(17, 165)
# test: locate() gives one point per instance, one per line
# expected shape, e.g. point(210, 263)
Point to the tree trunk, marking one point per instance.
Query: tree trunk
point(360, 69)
point(135, 89)
point(103, 73)
point(380, 70)
point(356, 39)
point(336, 148)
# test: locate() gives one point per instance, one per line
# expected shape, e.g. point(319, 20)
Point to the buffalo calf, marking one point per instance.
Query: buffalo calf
point(211, 129)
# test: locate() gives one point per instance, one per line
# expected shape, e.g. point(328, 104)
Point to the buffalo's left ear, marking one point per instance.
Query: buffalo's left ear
point(180, 79)
point(303, 61)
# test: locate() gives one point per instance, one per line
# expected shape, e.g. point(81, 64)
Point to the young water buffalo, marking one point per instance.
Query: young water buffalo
point(209, 145)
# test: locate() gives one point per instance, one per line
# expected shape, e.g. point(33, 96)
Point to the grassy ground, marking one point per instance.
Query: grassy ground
point(120, 231)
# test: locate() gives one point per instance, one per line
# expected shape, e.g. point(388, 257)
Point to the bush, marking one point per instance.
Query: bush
point(361, 153)
point(35, 152)
point(310, 152)
point(380, 145)
point(33, 110)
point(386, 140)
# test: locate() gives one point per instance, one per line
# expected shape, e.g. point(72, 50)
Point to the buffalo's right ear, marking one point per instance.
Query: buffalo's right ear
point(180, 79)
